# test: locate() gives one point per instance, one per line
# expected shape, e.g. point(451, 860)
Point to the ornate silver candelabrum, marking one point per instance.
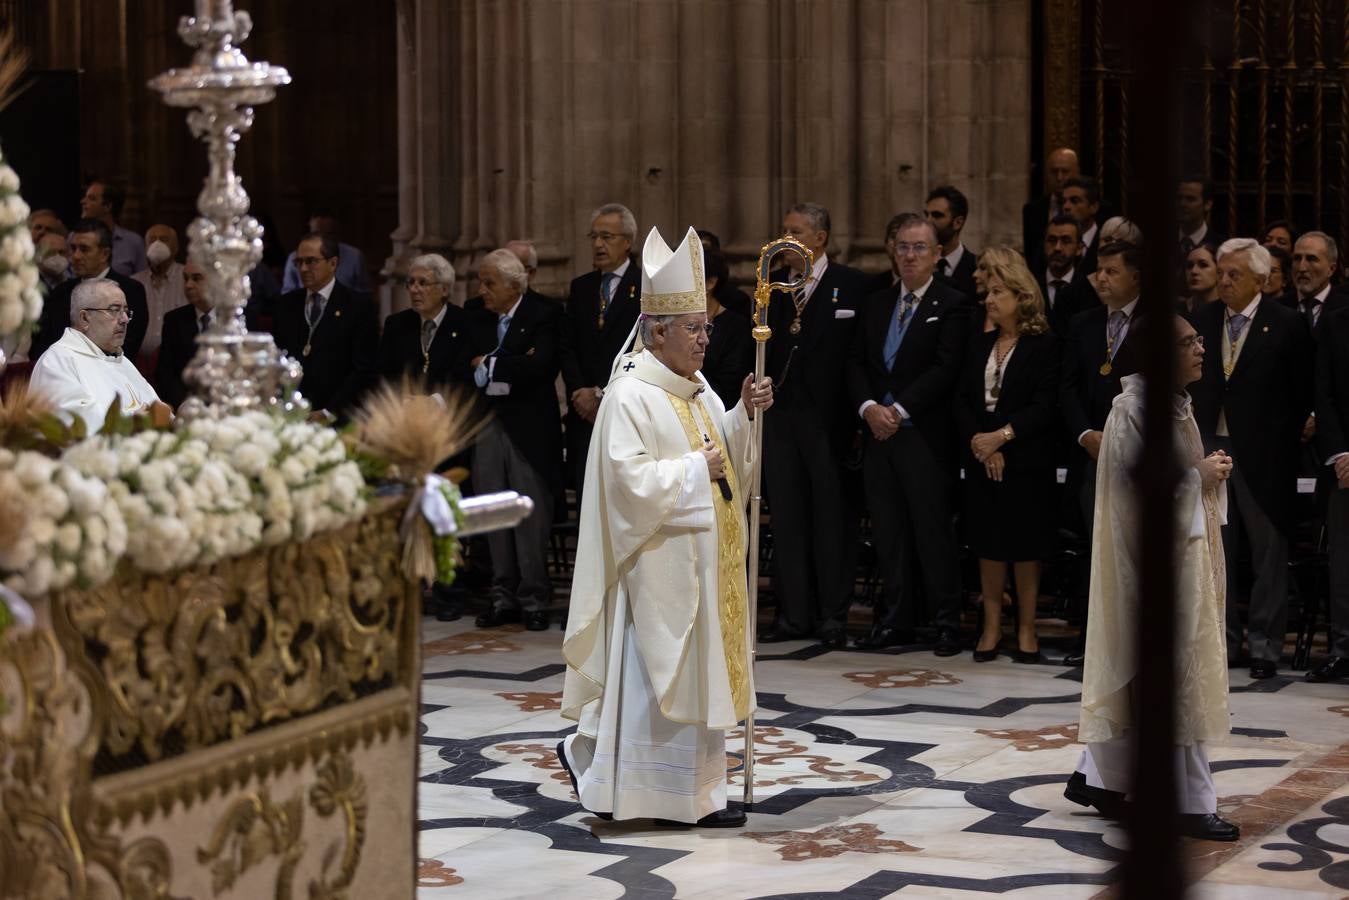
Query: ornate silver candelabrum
point(234, 370)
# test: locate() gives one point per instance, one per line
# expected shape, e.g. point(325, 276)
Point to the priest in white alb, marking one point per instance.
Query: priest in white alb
point(657, 646)
point(83, 372)
point(1109, 708)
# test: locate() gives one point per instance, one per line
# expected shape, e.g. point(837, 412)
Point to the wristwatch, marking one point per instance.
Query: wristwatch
point(1007, 432)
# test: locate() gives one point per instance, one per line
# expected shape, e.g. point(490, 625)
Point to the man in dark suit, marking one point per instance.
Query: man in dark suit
point(179, 338)
point(1066, 289)
point(602, 307)
point(1060, 165)
point(1194, 202)
point(90, 258)
point(1332, 439)
point(1082, 201)
point(332, 330)
point(1096, 355)
point(806, 438)
point(880, 281)
point(1315, 259)
point(947, 209)
point(514, 347)
point(1253, 401)
point(427, 341)
point(905, 357)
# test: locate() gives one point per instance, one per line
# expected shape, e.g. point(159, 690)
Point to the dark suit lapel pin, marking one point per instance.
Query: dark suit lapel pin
point(632, 291)
point(338, 313)
point(835, 297)
point(1266, 328)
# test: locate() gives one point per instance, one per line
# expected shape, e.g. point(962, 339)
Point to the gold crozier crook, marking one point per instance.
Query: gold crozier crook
point(763, 291)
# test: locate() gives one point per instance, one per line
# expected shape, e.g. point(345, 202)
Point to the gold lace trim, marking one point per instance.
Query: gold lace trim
point(732, 592)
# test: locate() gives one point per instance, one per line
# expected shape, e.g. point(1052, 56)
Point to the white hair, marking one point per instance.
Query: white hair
point(1121, 229)
point(1257, 257)
point(93, 293)
point(531, 259)
point(1332, 249)
point(647, 327)
point(436, 264)
point(508, 266)
point(627, 221)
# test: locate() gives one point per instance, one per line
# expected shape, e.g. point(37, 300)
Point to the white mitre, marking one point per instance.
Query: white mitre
point(673, 284)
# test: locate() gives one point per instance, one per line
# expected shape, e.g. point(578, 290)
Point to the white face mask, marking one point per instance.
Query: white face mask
point(158, 253)
point(55, 265)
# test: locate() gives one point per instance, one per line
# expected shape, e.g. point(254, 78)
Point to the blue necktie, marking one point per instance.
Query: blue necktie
point(1235, 324)
point(503, 325)
point(607, 289)
point(894, 336)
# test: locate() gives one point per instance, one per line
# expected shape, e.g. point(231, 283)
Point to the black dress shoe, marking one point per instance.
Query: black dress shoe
point(566, 767)
point(948, 642)
point(986, 655)
point(1263, 668)
point(498, 615)
point(885, 636)
point(1110, 804)
point(1333, 669)
point(1075, 660)
point(537, 620)
point(447, 610)
point(833, 637)
point(1027, 657)
point(779, 633)
point(1208, 827)
point(722, 818)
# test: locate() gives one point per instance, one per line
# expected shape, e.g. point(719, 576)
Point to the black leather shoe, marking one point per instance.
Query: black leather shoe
point(446, 610)
point(566, 767)
point(722, 818)
point(1027, 657)
point(986, 655)
point(885, 636)
point(1263, 668)
point(779, 633)
point(536, 620)
point(1110, 804)
point(833, 637)
point(498, 615)
point(948, 642)
point(1333, 669)
point(1208, 827)
point(1075, 660)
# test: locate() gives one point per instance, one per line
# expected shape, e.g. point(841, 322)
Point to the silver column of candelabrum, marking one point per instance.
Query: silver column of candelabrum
point(234, 370)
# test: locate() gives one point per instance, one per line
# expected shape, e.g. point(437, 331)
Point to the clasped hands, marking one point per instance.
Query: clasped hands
point(987, 449)
point(1215, 467)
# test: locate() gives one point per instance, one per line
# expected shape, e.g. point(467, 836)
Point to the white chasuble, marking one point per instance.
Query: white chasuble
point(79, 379)
point(1114, 600)
point(657, 645)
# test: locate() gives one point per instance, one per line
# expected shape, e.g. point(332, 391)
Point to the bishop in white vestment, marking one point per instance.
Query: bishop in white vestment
point(83, 372)
point(657, 645)
point(1108, 708)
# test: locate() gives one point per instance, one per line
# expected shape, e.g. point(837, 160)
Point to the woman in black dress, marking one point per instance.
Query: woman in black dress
point(730, 347)
point(1007, 413)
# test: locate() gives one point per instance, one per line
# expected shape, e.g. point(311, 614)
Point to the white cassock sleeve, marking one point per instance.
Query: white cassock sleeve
point(59, 383)
point(693, 509)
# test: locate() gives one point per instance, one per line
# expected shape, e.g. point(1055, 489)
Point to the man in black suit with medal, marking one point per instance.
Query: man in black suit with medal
point(602, 307)
point(1096, 355)
point(426, 341)
point(332, 330)
point(904, 361)
point(806, 438)
point(1066, 289)
point(1253, 401)
point(947, 209)
point(514, 345)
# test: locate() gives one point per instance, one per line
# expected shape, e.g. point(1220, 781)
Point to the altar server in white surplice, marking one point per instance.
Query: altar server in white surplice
point(1108, 707)
point(85, 370)
point(657, 646)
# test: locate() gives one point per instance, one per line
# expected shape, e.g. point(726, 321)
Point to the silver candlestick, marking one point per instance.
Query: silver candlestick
point(234, 370)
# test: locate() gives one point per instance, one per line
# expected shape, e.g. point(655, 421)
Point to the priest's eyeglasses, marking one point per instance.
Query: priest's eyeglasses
point(114, 311)
point(1191, 340)
point(694, 329)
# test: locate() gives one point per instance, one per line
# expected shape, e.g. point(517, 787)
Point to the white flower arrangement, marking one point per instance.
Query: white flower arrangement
point(164, 500)
point(20, 299)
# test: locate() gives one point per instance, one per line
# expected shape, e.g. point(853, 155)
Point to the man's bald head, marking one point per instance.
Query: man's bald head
point(1060, 165)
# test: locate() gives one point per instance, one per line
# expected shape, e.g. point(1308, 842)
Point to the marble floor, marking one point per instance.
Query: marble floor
point(890, 774)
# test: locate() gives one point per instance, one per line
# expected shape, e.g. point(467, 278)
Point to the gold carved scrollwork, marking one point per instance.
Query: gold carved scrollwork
point(254, 829)
point(185, 661)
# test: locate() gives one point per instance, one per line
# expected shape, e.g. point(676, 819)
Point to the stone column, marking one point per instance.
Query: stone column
point(409, 199)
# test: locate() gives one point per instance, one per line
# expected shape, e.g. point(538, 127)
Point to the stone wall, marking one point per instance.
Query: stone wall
point(517, 118)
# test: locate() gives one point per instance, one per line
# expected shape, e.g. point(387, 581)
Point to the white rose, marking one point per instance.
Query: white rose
point(28, 276)
point(39, 576)
point(52, 501)
point(11, 314)
point(32, 301)
point(17, 207)
point(68, 538)
point(42, 530)
point(9, 179)
point(65, 573)
point(19, 555)
point(13, 255)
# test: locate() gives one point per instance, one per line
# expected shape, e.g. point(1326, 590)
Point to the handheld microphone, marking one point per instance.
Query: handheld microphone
point(721, 482)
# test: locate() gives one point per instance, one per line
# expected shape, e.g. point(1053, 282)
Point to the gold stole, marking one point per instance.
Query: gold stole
point(732, 594)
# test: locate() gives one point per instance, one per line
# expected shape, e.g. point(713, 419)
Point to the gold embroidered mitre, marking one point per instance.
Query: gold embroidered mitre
point(673, 283)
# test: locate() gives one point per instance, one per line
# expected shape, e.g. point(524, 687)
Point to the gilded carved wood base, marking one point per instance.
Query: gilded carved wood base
point(240, 730)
